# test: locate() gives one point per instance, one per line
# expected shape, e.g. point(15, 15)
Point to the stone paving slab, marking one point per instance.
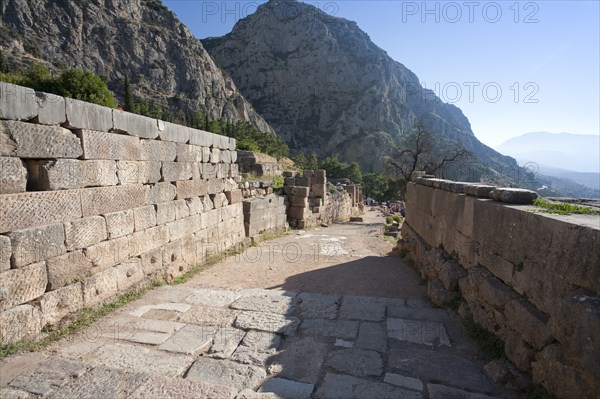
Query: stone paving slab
point(205, 315)
point(319, 306)
point(190, 340)
point(225, 372)
point(177, 307)
point(266, 302)
point(362, 308)
point(437, 391)
point(176, 388)
point(344, 329)
point(225, 342)
point(257, 347)
point(420, 313)
point(429, 333)
point(339, 386)
point(268, 322)
point(287, 388)
point(372, 336)
point(404, 382)
point(49, 375)
point(215, 298)
point(358, 362)
point(300, 360)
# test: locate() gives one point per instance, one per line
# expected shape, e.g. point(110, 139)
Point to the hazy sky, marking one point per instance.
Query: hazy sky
point(512, 67)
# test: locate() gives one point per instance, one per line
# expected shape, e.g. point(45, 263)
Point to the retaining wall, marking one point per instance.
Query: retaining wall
point(530, 278)
point(96, 201)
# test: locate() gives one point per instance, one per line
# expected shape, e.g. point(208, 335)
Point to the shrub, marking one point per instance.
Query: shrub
point(85, 86)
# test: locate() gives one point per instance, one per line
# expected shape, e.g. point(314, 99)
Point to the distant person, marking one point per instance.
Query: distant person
point(403, 212)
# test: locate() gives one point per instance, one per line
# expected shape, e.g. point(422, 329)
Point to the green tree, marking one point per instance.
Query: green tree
point(4, 68)
point(353, 172)
point(312, 163)
point(85, 86)
point(300, 161)
point(128, 97)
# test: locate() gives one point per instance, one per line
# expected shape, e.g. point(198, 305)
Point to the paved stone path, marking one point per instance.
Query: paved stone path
point(191, 342)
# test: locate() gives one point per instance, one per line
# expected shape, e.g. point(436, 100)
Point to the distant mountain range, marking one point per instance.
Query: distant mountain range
point(567, 156)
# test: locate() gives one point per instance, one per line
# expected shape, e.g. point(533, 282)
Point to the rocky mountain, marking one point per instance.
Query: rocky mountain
point(326, 87)
point(140, 39)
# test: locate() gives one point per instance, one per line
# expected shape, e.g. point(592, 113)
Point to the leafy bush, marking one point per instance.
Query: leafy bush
point(398, 219)
point(389, 219)
point(248, 145)
point(337, 169)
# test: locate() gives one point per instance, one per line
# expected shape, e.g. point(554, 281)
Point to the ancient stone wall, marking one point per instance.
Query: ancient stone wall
point(253, 164)
point(264, 215)
point(96, 201)
point(310, 204)
point(530, 278)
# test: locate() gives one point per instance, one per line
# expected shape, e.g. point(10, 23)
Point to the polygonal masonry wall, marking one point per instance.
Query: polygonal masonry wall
point(532, 279)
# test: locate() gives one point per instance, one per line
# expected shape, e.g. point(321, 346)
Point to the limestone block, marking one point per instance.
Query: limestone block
point(172, 132)
point(119, 223)
point(148, 240)
point(184, 227)
point(129, 274)
point(161, 192)
point(195, 205)
point(138, 172)
point(5, 253)
point(144, 217)
point(513, 195)
point(85, 232)
point(19, 211)
point(18, 286)
point(100, 287)
point(57, 304)
point(84, 115)
point(17, 102)
point(208, 204)
point(66, 269)
point(71, 174)
point(100, 173)
point(234, 196)
point(152, 263)
point(19, 323)
point(52, 108)
point(233, 170)
point(109, 253)
point(36, 244)
point(226, 373)
point(181, 209)
point(297, 191)
point(232, 146)
point(188, 153)
point(479, 190)
point(298, 201)
point(200, 138)
point(220, 200)
point(165, 213)
point(215, 155)
point(191, 188)
point(517, 351)
point(157, 150)
point(102, 200)
point(298, 212)
point(134, 125)
point(216, 186)
point(13, 175)
point(28, 140)
point(100, 145)
point(529, 322)
point(174, 171)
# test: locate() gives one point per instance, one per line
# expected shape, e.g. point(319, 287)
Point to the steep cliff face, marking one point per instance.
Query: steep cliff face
point(325, 86)
point(140, 39)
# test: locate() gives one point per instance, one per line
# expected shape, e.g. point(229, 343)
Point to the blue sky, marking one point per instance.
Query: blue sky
point(512, 67)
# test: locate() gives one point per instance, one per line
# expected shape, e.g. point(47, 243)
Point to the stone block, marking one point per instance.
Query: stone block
point(226, 373)
point(52, 109)
point(100, 173)
point(157, 150)
point(84, 115)
point(181, 209)
point(195, 205)
point(174, 171)
point(479, 190)
point(68, 268)
point(184, 227)
point(517, 351)
point(83, 233)
point(5, 253)
point(20, 322)
point(165, 213)
point(152, 262)
point(13, 175)
point(299, 213)
point(430, 333)
point(301, 202)
point(225, 156)
point(60, 174)
point(17, 102)
point(200, 138)
point(402, 381)
point(119, 223)
point(134, 125)
point(22, 285)
point(109, 253)
point(289, 173)
point(215, 156)
point(281, 387)
point(161, 192)
point(219, 200)
point(188, 153)
point(148, 240)
point(100, 287)
point(216, 186)
point(303, 181)
point(129, 273)
point(28, 140)
point(358, 362)
point(513, 195)
point(55, 305)
point(172, 132)
point(338, 386)
point(100, 145)
point(208, 204)
point(529, 322)
point(102, 200)
point(36, 244)
point(372, 336)
point(144, 217)
point(191, 188)
point(19, 211)
point(297, 191)
point(190, 340)
point(138, 172)
point(162, 387)
point(267, 322)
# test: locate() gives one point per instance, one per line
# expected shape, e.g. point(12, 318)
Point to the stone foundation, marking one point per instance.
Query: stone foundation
point(530, 278)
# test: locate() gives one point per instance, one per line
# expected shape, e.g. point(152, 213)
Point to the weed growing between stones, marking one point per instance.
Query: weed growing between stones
point(490, 345)
point(560, 208)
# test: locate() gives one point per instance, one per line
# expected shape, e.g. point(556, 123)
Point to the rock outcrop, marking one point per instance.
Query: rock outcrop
point(325, 86)
point(140, 39)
